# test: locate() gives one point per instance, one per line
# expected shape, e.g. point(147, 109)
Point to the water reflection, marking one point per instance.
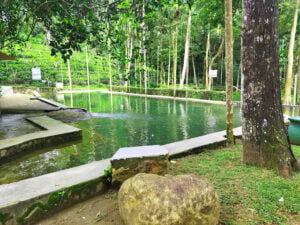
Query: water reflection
point(121, 121)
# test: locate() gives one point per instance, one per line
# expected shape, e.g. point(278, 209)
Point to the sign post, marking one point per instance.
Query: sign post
point(36, 74)
point(213, 74)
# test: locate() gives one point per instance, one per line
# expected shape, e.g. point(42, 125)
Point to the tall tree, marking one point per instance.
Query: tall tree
point(289, 75)
point(185, 69)
point(265, 141)
point(229, 69)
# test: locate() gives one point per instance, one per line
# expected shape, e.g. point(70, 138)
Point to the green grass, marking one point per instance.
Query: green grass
point(248, 195)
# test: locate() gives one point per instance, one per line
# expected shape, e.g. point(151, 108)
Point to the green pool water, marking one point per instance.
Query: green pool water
point(120, 121)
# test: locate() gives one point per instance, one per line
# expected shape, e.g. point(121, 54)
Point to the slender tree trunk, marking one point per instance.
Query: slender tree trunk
point(87, 66)
point(158, 61)
point(129, 50)
point(265, 141)
point(211, 63)
point(169, 63)
point(229, 70)
point(207, 87)
point(185, 69)
point(298, 85)
point(162, 71)
point(195, 74)
point(222, 64)
point(289, 75)
point(175, 58)
point(144, 48)
point(70, 80)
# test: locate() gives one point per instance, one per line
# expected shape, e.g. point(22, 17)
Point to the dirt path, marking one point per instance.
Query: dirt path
point(100, 210)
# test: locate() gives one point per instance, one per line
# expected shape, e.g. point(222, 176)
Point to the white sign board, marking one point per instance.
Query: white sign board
point(36, 74)
point(213, 73)
point(59, 85)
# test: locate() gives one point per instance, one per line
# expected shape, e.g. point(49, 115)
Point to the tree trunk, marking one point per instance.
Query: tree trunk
point(229, 70)
point(211, 63)
point(129, 47)
point(87, 66)
point(175, 40)
point(265, 141)
point(289, 75)
point(195, 74)
point(185, 69)
point(207, 87)
point(298, 85)
point(70, 80)
point(144, 49)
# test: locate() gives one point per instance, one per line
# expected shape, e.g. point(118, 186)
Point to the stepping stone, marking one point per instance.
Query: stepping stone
point(128, 162)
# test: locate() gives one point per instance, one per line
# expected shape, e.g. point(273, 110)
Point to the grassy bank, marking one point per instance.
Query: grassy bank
point(248, 195)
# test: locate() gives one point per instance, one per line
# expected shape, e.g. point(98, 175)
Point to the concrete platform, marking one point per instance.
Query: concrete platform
point(194, 145)
point(198, 144)
point(139, 152)
point(54, 132)
point(128, 162)
point(31, 199)
point(20, 103)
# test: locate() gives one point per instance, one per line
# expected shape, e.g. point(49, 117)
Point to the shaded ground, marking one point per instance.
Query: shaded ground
point(100, 210)
point(248, 195)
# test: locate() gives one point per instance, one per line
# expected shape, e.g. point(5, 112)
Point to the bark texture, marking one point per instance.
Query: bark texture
point(185, 69)
point(229, 70)
point(265, 139)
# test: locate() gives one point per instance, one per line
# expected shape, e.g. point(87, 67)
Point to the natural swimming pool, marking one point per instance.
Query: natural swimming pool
point(120, 121)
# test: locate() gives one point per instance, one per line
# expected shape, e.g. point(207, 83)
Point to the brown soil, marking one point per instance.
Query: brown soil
point(100, 210)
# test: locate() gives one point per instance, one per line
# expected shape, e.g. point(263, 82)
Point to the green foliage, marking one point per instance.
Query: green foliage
point(53, 69)
point(4, 217)
point(108, 174)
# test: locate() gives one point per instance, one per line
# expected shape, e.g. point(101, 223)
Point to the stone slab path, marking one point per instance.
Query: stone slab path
point(38, 186)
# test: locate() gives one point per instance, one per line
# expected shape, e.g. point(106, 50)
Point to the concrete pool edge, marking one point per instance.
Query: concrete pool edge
point(53, 132)
point(149, 96)
point(32, 199)
point(29, 200)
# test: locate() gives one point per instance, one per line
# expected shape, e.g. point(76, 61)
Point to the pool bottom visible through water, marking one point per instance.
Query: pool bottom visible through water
point(120, 121)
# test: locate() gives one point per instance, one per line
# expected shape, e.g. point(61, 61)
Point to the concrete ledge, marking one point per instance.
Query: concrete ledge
point(53, 132)
point(198, 144)
point(27, 201)
point(128, 162)
point(148, 96)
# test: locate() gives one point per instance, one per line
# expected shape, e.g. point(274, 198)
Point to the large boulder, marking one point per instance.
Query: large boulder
point(150, 199)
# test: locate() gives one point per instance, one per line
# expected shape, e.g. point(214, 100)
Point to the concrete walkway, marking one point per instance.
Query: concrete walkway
point(53, 132)
point(24, 103)
point(33, 188)
point(27, 201)
point(199, 143)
